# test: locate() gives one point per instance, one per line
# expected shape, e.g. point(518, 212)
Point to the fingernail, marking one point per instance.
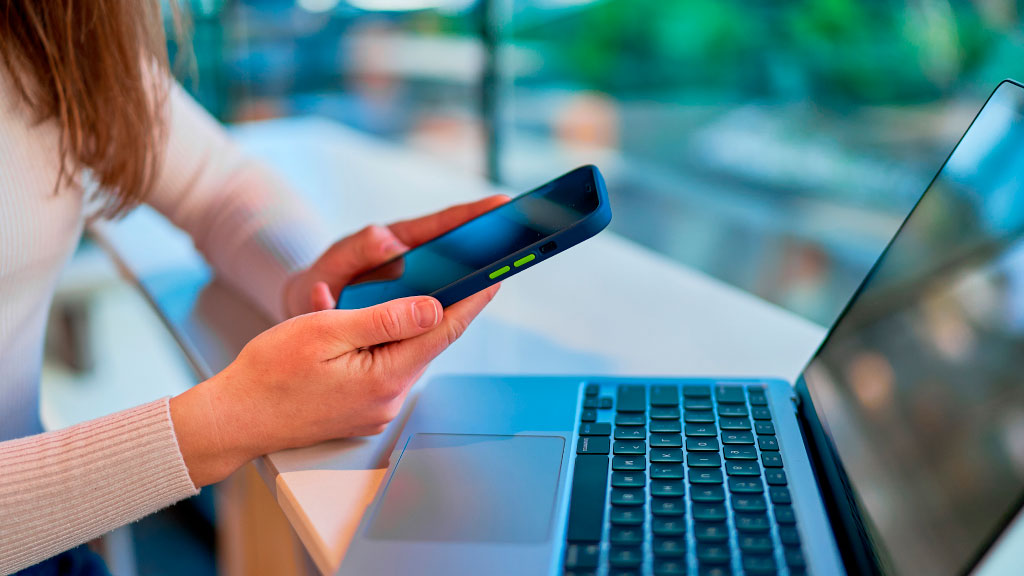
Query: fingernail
point(425, 312)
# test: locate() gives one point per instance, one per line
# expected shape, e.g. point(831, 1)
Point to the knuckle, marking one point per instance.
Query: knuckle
point(388, 321)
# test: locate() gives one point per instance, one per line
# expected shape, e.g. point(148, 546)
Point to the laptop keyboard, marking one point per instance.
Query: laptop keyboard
point(672, 480)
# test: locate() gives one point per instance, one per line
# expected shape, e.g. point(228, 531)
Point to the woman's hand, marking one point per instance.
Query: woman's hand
point(323, 375)
point(318, 287)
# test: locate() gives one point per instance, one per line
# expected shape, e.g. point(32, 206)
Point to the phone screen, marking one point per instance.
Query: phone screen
point(478, 243)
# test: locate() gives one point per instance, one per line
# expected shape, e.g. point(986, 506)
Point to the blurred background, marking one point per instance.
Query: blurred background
point(775, 145)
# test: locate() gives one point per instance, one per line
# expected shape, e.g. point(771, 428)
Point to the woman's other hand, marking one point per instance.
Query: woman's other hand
point(323, 375)
point(318, 287)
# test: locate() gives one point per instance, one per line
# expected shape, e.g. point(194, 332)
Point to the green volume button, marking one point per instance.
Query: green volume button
point(499, 272)
point(524, 260)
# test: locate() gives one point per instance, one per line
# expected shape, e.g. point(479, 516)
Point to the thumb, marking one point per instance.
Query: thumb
point(391, 321)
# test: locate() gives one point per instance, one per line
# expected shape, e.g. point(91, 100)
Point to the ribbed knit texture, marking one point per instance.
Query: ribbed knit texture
point(63, 488)
point(60, 489)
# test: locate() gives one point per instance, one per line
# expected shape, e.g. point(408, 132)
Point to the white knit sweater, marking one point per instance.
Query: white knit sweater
point(62, 488)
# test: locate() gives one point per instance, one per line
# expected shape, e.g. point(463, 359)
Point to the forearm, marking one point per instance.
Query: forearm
point(63, 488)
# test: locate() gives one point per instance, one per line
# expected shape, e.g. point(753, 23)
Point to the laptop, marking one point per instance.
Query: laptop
point(898, 450)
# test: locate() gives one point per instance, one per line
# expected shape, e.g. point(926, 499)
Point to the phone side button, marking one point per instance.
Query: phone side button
point(524, 260)
point(499, 272)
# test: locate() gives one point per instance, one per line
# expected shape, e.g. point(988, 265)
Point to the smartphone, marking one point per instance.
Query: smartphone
point(492, 247)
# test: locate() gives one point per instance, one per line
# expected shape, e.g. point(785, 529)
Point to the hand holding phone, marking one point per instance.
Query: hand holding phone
point(492, 247)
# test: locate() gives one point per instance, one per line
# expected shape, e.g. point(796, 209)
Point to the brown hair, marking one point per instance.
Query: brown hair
point(99, 68)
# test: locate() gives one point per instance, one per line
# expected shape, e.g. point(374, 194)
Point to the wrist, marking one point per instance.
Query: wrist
point(210, 436)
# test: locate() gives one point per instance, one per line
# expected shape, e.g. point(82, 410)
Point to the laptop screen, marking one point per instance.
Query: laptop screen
point(920, 385)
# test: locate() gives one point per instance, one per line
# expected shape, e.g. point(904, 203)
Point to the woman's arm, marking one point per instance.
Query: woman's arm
point(243, 218)
point(63, 488)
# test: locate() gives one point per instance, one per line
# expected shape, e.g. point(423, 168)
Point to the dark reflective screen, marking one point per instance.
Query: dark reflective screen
point(479, 243)
point(921, 383)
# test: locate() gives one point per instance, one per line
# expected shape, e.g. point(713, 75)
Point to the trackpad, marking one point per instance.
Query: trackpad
point(471, 488)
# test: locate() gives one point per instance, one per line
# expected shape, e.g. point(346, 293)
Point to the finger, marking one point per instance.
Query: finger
point(414, 353)
point(418, 230)
point(388, 322)
point(321, 298)
point(362, 251)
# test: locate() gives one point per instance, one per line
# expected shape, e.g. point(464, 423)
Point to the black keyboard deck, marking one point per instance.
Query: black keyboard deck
point(673, 480)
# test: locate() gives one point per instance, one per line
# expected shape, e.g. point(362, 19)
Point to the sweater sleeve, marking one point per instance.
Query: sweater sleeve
point(249, 226)
point(63, 488)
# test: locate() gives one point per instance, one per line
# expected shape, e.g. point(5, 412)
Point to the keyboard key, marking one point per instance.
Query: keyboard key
point(628, 463)
point(761, 413)
point(630, 433)
point(756, 543)
point(637, 571)
point(664, 413)
point(732, 410)
point(775, 477)
point(730, 394)
point(698, 404)
point(667, 488)
point(734, 423)
point(742, 468)
point(757, 397)
point(582, 555)
point(588, 415)
point(789, 535)
point(713, 553)
point(739, 452)
point(779, 495)
point(771, 459)
point(586, 505)
point(671, 547)
point(593, 445)
point(669, 567)
point(710, 532)
point(581, 572)
point(626, 516)
point(592, 389)
point(737, 437)
point(605, 403)
point(703, 460)
point(666, 471)
point(625, 419)
point(596, 429)
point(768, 443)
point(699, 416)
point(668, 526)
point(705, 476)
point(664, 396)
point(591, 402)
point(632, 398)
point(666, 455)
point(627, 496)
point(696, 391)
point(666, 440)
point(749, 503)
point(707, 493)
point(762, 427)
point(702, 444)
point(759, 564)
point(671, 426)
point(714, 570)
point(629, 447)
point(794, 557)
point(625, 556)
point(629, 535)
point(741, 485)
point(752, 522)
point(628, 479)
point(701, 430)
point(785, 515)
point(708, 512)
point(668, 506)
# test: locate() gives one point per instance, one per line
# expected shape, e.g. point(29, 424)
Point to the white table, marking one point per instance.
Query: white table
point(607, 307)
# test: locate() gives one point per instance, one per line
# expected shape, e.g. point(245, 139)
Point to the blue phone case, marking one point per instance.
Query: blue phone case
point(552, 244)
